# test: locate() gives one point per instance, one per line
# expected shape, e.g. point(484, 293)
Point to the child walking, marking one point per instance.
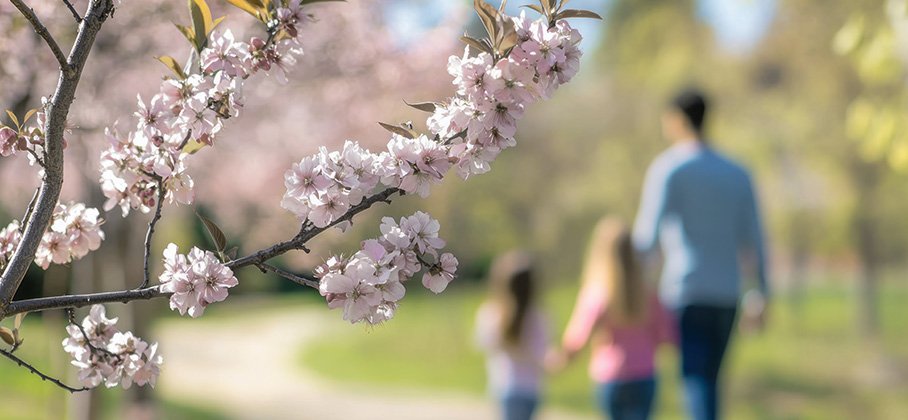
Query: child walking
point(511, 331)
point(621, 319)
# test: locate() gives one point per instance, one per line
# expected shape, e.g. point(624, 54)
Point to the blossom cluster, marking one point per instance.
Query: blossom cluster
point(470, 130)
point(195, 280)
point(105, 354)
point(493, 95)
point(188, 112)
point(369, 284)
point(75, 231)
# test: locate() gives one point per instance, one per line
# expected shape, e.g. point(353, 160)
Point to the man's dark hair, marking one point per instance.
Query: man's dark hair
point(693, 104)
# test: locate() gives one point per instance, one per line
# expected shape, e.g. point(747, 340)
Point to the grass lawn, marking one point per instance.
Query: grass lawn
point(809, 363)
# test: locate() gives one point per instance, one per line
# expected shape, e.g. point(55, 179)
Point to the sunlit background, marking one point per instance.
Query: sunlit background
point(810, 95)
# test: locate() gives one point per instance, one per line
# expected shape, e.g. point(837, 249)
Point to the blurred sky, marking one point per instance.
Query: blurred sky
point(739, 24)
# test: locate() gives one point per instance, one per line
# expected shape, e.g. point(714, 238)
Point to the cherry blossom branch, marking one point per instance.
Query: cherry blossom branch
point(296, 278)
point(307, 233)
point(151, 292)
point(43, 376)
point(73, 11)
point(151, 225)
point(58, 110)
point(83, 300)
point(42, 31)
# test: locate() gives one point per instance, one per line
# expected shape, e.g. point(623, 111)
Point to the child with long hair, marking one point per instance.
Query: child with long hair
point(620, 317)
point(511, 331)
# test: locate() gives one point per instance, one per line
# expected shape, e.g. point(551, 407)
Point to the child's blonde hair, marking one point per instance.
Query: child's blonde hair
point(613, 271)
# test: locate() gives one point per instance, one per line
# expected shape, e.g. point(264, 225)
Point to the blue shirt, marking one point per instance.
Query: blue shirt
point(700, 207)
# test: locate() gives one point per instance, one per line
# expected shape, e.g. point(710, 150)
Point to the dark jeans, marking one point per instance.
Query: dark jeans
point(705, 331)
point(626, 400)
point(518, 406)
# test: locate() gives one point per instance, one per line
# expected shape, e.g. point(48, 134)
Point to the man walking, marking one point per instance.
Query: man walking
point(700, 207)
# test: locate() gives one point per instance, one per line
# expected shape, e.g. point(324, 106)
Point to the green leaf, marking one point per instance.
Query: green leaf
point(28, 115)
point(232, 252)
point(18, 321)
point(400, 131)
point(172, 64)
point(487, 14)
point(13, 118)
point(201, 22)
point(546, 7)
point(7, 335)
point(249, 6)
point(508, 36)
point(217, 236)
point(574, 13)
point(475, 43)
point(188, 33)
point(423, 106)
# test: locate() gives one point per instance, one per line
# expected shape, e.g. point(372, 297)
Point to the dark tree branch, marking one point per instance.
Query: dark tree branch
point(43, 376)
point(42, 31)
point(57, 112)
point(73, 11)
point(79, 301)
point(296, 278)
point(150, 233)
point(308, 232)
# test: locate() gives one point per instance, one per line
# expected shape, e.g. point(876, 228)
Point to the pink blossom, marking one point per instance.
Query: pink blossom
point(215, 278)
point(441, 274)
point(359, 297)
point(8, 141)
point(423, 231)
point(328, 207)
point(194, 281)
point(9, 241)
point(225, 54)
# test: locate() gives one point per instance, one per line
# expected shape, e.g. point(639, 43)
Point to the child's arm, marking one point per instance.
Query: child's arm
point(586, 316)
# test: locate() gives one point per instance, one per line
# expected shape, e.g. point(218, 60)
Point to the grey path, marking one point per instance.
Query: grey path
point(249, 367)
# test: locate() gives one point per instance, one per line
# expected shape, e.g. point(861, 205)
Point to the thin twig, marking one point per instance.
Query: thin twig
point(73, 11)
point(43, 376)
point(44, 33)
point(37, 158)
point(71, 313)
point(308, 232)
point(28, 211)
point(151, 225)
point(301, 280)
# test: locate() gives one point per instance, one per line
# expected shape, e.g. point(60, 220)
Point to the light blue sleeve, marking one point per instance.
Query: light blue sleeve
point(752, 240)
point(654, 204)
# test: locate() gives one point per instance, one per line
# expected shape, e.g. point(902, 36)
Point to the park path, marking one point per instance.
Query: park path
point(249, 367)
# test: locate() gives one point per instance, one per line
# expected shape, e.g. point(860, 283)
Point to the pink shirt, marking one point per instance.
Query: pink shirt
point(619, 352)
point(512, 370)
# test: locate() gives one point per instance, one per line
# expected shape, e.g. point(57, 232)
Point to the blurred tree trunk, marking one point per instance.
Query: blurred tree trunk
point(867, 178)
